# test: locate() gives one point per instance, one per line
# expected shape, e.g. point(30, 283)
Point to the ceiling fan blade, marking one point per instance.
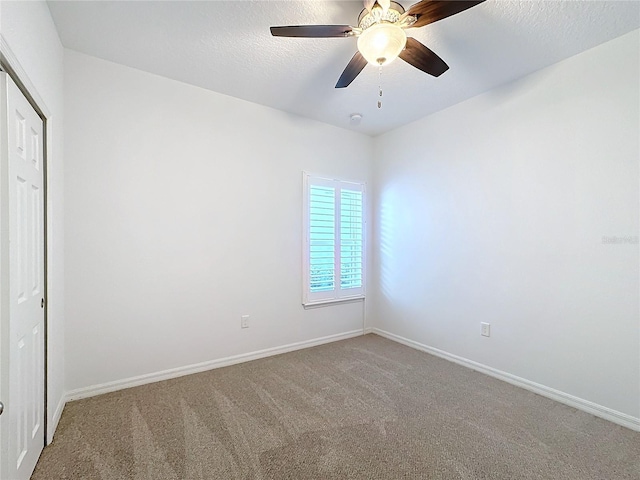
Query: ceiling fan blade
point(422, 58)
point(385, 4)
point(312, 31)
point(354, 67)
point(429, 11)
point(368, 4)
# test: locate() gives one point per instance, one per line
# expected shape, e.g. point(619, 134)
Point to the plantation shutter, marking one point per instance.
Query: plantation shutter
point(350, 239)
point(322, 238)
point(333, 240)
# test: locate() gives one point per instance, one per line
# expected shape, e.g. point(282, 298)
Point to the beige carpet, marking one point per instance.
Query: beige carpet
point(365, 408)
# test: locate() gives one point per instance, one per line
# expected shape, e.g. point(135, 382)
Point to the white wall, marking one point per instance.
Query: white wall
point(494, 211)
point(183, 213)
point(29, 36)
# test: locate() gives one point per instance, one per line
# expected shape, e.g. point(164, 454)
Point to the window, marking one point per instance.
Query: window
point(333, 250)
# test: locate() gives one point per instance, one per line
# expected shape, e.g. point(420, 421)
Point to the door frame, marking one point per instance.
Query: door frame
point(11, 66)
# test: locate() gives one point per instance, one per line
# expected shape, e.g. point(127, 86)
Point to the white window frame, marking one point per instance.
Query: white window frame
point(337, 295)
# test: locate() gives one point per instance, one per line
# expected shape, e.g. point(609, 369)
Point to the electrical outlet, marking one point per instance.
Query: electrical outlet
point(244, 321)
point(485, 329)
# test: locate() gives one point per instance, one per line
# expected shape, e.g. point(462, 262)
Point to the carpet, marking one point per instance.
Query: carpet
point(364, 408)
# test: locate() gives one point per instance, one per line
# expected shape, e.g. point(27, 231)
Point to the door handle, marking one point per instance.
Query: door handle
point(42, 303)
point(1, 408)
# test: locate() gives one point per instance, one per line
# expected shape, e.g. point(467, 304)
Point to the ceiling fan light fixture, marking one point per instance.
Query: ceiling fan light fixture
point(381, 43)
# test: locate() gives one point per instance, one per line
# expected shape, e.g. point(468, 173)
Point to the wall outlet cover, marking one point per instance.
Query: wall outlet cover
point(485, 329)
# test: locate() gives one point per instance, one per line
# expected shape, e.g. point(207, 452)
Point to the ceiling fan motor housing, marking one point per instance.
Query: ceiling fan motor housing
point(378, 15)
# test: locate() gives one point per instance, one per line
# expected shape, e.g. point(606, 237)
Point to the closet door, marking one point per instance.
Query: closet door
point(22, 330)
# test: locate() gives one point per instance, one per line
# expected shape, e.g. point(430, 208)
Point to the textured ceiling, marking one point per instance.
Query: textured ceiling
point(226, 47)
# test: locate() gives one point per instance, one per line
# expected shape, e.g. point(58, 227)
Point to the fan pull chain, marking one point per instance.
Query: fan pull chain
point(380, 86)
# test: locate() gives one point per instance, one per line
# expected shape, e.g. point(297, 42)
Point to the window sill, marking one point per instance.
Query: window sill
point(327, 303)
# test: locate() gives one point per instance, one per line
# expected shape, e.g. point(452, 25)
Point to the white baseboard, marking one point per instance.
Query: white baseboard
point(368, 330)
point(94, 390)
point(585, 405)
point(53, 425)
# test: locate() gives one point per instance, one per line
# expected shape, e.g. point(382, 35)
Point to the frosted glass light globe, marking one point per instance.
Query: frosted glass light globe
point(380, 44)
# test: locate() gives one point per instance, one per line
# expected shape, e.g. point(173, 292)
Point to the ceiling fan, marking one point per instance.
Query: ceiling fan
point(381, 36)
